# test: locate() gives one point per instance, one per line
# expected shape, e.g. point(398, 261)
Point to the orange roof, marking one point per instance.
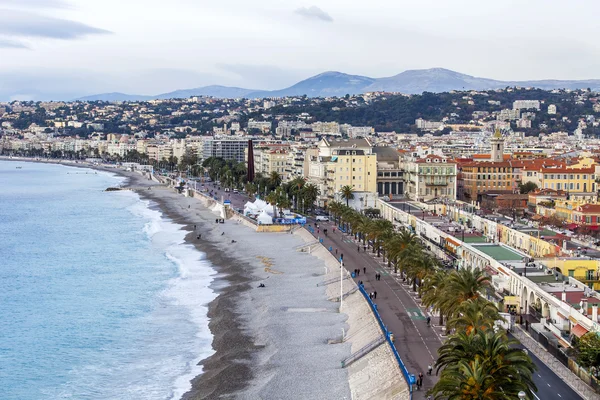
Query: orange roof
point(589, 208)
point(579, 330)
point(487, 164)
point(551, 170)
point(488, 156)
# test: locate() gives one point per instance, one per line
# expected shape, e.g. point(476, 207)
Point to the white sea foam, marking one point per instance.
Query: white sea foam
point(189, 289)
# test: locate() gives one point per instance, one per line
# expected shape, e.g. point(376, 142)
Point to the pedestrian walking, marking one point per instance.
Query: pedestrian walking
point(342, 256)
point(336, 251)
point(358, 248)
point(375, 295)
point(420, 379)
point(358, 270)
point(365, 248)
point(194, 227)
point(371, 296)
point(364, 270)
point(429, 369)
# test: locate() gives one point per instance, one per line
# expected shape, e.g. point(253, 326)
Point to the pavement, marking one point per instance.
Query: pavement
point(402, 313)
point(416, 343)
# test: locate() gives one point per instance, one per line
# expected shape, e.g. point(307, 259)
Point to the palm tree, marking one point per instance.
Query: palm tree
point(250, 189)
point(309, 194)
point(381, 229)
point(335, 208)
point(434, 287)
point(347, 193)
point(483, 365)
point(462, 285)
point(478, 314)
point(274, 179)
point(272, 199)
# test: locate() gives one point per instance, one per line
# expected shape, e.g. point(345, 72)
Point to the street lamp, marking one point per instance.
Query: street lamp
point(522, 395)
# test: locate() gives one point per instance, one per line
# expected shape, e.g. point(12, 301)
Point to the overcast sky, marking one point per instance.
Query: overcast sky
point(70, 48)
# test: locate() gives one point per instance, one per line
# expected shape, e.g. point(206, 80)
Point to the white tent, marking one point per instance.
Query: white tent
point(264, 218)
point(250, 208)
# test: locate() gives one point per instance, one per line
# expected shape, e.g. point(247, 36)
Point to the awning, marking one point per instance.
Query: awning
point(454, 242)
point(573, 320)
point(512, 300)
point(571, 226)
point(561, 315)
point(593, 227)
point(579, 330)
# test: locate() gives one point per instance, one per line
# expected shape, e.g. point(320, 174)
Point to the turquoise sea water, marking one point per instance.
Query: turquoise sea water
point(99, 296)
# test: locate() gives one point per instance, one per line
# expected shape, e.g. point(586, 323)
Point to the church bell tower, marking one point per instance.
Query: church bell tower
point(497, 142)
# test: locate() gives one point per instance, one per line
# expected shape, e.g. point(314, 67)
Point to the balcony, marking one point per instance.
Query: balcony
point(436, 183)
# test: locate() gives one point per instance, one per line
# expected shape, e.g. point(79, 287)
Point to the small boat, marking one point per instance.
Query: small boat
point(19, 167)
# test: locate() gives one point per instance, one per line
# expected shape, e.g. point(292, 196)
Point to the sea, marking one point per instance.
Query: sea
point(100, 297)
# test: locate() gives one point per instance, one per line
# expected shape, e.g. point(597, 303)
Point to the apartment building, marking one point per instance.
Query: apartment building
point(226, 148)
point(526, 104)
point(430, 178)
point(339, 163)
point(271, 158)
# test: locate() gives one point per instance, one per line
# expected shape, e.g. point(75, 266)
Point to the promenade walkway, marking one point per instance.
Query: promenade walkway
point(416, 343)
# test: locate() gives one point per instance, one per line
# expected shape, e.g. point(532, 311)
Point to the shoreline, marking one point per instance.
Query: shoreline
point(281, 341)
point(228, 370)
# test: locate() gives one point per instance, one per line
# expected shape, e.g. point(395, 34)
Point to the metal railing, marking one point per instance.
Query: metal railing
point(363, 352)
point(409, 378)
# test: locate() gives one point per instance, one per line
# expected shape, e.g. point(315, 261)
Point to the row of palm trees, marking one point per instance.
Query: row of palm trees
point(478, 361)
point(296, 193)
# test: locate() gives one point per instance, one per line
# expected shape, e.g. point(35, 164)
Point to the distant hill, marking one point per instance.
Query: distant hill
point(213, 90)
point(329, 84)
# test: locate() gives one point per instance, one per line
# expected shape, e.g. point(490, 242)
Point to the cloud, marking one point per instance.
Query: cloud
point(26, 24)
point(12, 44)
point(314, 12)
point(35, 3)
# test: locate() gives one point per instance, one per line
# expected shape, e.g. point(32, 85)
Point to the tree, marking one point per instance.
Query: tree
point(588, 350)
point(527, 187)
point(274, 180)
point(309, 194)
point(478, 314)
point(250, 189)
point(347, 193)
point(483, 365)
point(272, 199)
point(463, 285)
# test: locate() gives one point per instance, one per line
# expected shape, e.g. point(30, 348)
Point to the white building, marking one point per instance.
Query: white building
point(526, 104)
point(552, 109)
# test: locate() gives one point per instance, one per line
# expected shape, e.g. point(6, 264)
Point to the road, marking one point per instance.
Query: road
point(400, 310)
point(549, 385)
point(416, 343)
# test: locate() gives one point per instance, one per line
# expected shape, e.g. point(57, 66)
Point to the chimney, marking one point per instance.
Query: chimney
point(564, 296)
point(595, 312)
point(584, 308)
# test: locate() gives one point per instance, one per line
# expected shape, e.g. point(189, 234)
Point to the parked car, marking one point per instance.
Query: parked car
point(227, 189)
point(322, 218)
point(235, 191)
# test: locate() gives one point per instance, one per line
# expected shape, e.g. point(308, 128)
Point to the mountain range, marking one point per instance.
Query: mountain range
point(333, 83)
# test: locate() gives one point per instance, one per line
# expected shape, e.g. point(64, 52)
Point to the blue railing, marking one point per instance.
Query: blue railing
point(409, 378)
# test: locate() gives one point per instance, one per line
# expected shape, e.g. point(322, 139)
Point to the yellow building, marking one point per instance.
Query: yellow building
point(571, 179)
point(585, 271)
point(352, 167)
